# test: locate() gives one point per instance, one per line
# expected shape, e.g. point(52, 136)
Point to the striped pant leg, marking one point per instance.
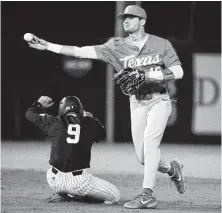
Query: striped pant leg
point(56, 181)
point(79, 185)
point(103, 190)
point(71, 183)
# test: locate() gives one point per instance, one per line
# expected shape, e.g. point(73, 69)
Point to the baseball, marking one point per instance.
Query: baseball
point(28, 37)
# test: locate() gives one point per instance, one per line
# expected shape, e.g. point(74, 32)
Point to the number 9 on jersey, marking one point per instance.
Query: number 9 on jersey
point(74, 131)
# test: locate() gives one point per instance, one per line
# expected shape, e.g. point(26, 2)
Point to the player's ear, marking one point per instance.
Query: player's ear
point(142, 22)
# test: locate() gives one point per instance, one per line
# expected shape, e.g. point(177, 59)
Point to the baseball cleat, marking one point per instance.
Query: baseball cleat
point(178, 178)
point(143, 201)
point(57, 198)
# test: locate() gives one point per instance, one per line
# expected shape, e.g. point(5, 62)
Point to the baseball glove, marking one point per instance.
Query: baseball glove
point(130, 81)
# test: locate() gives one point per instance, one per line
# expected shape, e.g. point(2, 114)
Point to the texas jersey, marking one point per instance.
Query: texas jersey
point(122, 53)
point(71, 137)
point(156, 54)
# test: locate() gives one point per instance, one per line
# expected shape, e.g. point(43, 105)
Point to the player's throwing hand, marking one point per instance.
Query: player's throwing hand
point(45, 101)
point(36, 42)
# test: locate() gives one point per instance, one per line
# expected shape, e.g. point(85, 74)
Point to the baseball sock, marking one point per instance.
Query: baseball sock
point(171, 172)
point(147, 191)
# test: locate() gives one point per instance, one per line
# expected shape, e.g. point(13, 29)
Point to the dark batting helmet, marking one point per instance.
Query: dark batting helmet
point(70, 104)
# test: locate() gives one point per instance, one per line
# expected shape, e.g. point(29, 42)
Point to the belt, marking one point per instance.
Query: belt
point(74, 173)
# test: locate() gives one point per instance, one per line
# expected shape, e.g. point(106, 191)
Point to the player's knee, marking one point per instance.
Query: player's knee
point(116, 195)
point(140, 156)
point(141, 162)
point(141, 159)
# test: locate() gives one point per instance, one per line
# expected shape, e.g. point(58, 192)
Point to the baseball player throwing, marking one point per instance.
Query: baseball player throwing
point(144, 63)
point(72, 134)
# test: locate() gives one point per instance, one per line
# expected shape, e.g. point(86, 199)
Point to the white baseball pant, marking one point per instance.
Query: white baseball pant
point(148, 122)
point(81, 185)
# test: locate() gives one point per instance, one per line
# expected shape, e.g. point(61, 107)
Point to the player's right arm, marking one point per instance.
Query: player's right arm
point(102, 52)
point(80, 52)
point(35, 114)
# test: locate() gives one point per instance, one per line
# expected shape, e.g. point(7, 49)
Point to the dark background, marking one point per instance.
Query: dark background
point(26, 74)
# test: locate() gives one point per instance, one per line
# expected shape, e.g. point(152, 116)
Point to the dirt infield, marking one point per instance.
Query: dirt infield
point(24, 187)
point(26, 190)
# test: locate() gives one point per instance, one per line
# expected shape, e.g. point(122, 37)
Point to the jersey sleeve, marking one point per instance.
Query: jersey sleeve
point(36, 116)
point(85, 52)
point(170, 57)
point(106, 53)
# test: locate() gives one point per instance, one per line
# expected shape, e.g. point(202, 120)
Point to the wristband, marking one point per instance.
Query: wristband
point(56, 48)
point(37, 104)
point(166, 74)
point(157, 75)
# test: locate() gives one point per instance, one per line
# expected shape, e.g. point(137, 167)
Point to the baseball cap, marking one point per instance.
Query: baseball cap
point(133, 10)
